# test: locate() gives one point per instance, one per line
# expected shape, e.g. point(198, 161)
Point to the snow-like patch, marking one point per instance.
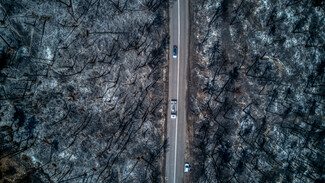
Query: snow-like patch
point(53, 84)
point(65, 155)
point(49, 54)
point(34, 160)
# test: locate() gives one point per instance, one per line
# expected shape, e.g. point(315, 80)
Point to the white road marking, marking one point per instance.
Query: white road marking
point(178, 45)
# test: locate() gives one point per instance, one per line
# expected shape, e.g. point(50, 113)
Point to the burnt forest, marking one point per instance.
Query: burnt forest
point(257, 91)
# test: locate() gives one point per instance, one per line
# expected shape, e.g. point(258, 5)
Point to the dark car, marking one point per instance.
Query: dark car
point(175, 51)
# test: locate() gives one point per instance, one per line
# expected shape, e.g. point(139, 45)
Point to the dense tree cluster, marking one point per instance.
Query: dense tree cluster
point(257, 91)
point(82, 86)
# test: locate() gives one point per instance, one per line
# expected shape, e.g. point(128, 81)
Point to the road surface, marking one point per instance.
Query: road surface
point(176, 128)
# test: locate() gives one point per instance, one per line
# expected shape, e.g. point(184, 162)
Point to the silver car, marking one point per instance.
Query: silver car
point(173, 108)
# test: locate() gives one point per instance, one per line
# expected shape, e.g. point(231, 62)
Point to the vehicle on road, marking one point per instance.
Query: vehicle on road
point(173, 108)
point(187, 167)
point(175, 51)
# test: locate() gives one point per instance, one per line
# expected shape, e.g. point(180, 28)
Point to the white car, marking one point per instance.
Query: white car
point(186, 167)
point(173, 108)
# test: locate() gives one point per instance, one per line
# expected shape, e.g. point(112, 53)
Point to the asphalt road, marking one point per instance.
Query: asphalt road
point(176, 128)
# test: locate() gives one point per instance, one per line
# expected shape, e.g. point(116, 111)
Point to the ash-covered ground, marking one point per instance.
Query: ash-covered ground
point(257, 90)
point(82, 90)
